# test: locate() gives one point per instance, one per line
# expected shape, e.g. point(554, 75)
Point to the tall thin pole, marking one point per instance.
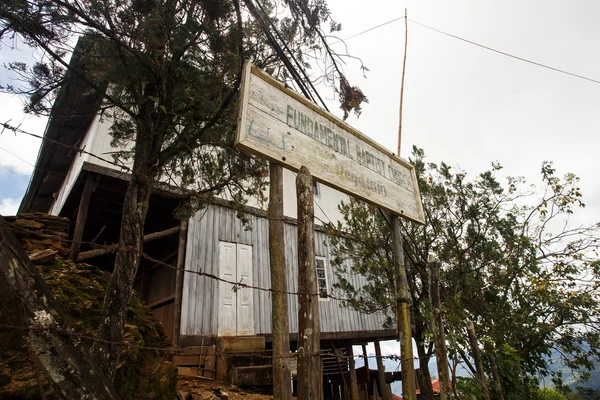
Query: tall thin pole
point(401, 282)
point(282, 388)
point(402, 82)
point(309, 329)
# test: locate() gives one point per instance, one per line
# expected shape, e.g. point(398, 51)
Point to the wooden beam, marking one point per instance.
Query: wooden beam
point(282, 388)
point(384, 388)
point(164, 188)
point(86, 255)
point(309, 360)
point(353, 381)
point(179, 281)
point(162, 301)
point(370, 394)
point(81, 216)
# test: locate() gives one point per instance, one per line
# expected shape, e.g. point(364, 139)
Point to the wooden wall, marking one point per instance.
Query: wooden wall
point(200, 294)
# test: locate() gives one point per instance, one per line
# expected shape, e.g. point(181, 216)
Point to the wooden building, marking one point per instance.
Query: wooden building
point(195, 308)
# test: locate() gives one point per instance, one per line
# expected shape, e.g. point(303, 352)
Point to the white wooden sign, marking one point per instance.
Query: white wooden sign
point(279, 124)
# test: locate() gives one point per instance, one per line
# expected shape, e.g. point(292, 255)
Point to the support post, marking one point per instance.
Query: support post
point(386, 393)
point(179, 281)
point(282, 388)
point(309, 330)
point(366, 361)
point(353, 381)
point(439, 335)
point(477, 358)
point(403, 315)
point(81, 216)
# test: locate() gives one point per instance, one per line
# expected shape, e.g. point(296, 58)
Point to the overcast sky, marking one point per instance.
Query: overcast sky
point(462, 104)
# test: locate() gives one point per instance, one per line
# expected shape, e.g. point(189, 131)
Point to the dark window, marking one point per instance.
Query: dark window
point(322, 278)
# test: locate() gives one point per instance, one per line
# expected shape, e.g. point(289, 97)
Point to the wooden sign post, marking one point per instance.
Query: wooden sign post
point(309, 327)
point(282, 388)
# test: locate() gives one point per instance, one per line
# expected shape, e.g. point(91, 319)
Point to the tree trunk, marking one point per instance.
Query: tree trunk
point(282, 388)
point(439, 335)
point(425, 375)
point(495, 373)
point(27, 304)
point(116, 300)
point(477, 358)
point(403, 314)
point(309, 330)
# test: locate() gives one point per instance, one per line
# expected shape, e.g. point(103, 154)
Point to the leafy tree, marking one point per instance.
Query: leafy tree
point(510, 262)
point(168, 75)
point(547, 393)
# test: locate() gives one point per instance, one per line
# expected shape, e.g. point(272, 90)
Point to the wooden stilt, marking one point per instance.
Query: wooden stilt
point(82, 216)
point(353, 381)
point(385, 392)
point(179, 281)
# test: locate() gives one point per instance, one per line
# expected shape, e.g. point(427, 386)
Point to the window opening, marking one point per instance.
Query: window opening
point(322, 286)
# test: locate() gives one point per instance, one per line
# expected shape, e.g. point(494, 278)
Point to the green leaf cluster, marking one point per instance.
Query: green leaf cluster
point(510, 261)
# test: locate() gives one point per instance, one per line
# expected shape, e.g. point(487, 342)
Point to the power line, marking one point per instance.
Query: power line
point(16, 156)
point(504, 53)
point(562, 71)
point(369, 30)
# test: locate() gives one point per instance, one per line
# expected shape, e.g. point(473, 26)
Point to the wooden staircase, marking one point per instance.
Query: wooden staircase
point(197, 362)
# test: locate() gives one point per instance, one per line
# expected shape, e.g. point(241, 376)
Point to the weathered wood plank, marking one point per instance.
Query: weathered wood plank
point(309, 360)
point(82, 213)
point(282, 388)
point(179, 281)
point(182, 361)
point(278, 124)
point(86, 255)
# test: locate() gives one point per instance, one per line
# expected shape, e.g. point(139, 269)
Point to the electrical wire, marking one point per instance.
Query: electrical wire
point(562, 71)
point(16, 156)
point(504, 53)
point(368, 30)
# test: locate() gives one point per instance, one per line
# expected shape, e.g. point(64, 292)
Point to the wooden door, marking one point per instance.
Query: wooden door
point(236, 312)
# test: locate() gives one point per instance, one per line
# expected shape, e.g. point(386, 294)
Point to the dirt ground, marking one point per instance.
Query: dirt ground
point(203, 389)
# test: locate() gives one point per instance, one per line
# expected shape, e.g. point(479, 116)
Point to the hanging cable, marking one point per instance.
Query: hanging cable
point(285, 46)
point(257, 15)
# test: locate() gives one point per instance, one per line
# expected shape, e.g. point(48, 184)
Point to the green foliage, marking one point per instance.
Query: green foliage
point(547, 393)
point(168, 73)
point(509, 260)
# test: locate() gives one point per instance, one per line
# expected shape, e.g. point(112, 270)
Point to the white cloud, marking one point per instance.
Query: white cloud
point(19, 151)
point(9, 206)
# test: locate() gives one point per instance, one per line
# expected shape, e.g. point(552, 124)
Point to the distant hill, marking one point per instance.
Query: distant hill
point(571, 379)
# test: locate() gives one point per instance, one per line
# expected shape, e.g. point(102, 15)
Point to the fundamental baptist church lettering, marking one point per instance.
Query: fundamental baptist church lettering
point(303, 123)
point(341, 144)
